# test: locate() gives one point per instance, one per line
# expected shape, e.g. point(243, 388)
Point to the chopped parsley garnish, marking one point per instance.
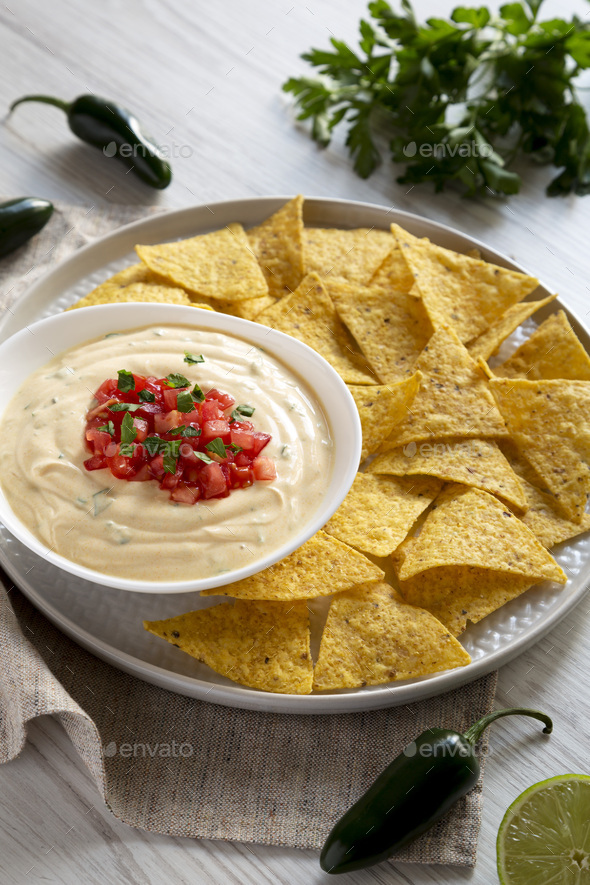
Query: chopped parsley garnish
point(107, 428)
point(235, 448)
point(126, 449)
point(128, 430)
point(126, 381)
point(124, 407)
point(152, 444)
point(217, 447)
point(193, 358)
point(204, 457)
point(192, 431)
point(197, 394)
point(185, 402)
point(244, 410)
point(171, 456)
point(146, 396)
point(177, 380)
point(177, 430)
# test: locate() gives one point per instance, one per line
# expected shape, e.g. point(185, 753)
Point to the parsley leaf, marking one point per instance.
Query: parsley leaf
point(153, 445)
point(203, 456)
point(217, 447)
point(176, 430)
point(177, 380)
point(185, 402)
point(193, 359)
point(126, 381)
point(192, 431)
point(109, 427)
point(458, 100)
point(197, 394)
point(128, 431)
point(245, 410)
point(146, 396)
point(124, 407)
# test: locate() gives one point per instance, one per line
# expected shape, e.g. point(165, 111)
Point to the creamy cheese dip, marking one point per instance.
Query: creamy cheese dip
point(132, 529)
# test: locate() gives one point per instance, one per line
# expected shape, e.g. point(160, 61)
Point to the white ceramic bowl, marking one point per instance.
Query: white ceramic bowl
point(30, 349)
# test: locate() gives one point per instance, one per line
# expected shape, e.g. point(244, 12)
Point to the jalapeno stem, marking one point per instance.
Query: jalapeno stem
point(474, 733)
point(46, 99)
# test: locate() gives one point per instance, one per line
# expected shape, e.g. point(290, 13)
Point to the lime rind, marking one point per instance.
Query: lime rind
point(544, 837)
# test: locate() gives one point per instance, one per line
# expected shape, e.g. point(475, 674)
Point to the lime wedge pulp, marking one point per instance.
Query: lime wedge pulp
point(544, 837)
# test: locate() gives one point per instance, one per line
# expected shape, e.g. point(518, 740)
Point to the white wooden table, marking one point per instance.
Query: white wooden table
point(205, 78)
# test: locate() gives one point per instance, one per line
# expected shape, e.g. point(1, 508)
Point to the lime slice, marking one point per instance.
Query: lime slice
point(544, 837)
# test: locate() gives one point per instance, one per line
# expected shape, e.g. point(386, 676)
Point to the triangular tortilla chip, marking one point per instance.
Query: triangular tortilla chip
point(371, 637)
point(309, 315)
point(465, 293)
point(277, 244)
point(381, 407)
point(261, 644)
point(323, 565)
point(142, 292)
point(352, 254)
point(379, 511)
point(393, 274)
point(457, 594)
point(470, 527)
point(392, 328)
point(217, 265)
point(453, 400)
point(550, 423)
point(488, 343)
point(552, 351)
point(545, 521)
point(472, 462)
point(249, 309)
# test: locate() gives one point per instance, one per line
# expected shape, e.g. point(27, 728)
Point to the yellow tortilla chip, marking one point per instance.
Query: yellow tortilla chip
point(261, 644)
point(462, 292)
point(393, 274)
point(488, 343)
point(472, 462)
point(277, 244)
point(309, 315)
point(453, 400)
point(458, 594)
point(391, 327)
point(371, 637)
point(381, 407)
point(550, 423)
point(217, 265)
point(552, 351)
point(323, 565)
point(379, 511)
point(249, 309)
point(352, 254)
point(545, 521)
point(471, 527)
point(142, 292)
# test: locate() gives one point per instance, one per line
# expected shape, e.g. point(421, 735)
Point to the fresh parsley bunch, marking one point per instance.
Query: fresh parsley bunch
point(459, 99)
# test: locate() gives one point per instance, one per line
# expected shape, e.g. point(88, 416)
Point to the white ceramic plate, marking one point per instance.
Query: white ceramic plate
point(107, 621)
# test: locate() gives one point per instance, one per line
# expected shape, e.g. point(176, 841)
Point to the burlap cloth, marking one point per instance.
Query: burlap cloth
point(184, 767)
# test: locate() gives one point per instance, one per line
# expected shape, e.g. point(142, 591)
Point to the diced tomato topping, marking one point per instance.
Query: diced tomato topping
point(224, 399)
point(97, 462)
point(141, 428)
point(121, 467)
point(240, 477)
point(167, 421)
point(210, 411)
point(215, 429)
point(98, 440)
point(185, 494)
point(198, 472)
point(264, 468)
point(212, 480)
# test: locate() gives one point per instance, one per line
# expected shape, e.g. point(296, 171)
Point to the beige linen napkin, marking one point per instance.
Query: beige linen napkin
point(184, 767)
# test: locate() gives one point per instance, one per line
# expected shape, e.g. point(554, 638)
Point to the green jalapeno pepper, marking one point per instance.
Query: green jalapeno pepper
point(410, 795)
point(115, 131)
point(20, 220)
